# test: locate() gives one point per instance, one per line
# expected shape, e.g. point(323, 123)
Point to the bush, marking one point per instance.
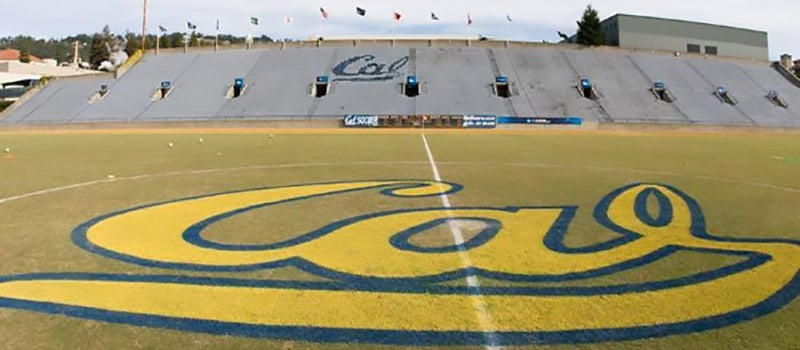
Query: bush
point(4, 105)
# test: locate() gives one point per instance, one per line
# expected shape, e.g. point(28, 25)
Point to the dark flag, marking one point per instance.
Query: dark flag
point(361, 12)
point(162, 29)
point(397, 16)
point(434, 17)
point(323, 13)
point(191, 26)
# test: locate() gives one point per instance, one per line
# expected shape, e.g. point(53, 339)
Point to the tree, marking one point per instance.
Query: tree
point(176, 39)
point(589, 30)
point(98, 51)
point(193, 42)
point(164, 42)
point(106, 31)
point(25, 55)
point(100, 47)
point(132, 43)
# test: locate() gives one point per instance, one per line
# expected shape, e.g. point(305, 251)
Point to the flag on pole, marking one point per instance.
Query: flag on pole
point(434, 17)
point(397, 16)
point(508, 18)
point(162, 29)
point(288, 19)
point(469, 19)
point(254, 21)
point(191, 26)
point(217, 25)
point(323, 13)
point(361, 11)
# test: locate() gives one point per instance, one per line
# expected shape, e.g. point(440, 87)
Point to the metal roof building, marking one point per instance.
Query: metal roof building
point(652, 33)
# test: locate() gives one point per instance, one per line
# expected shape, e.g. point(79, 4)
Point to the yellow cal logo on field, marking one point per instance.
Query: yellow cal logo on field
point(383, 288)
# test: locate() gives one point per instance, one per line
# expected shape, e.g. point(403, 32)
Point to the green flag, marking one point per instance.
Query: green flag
point(254, 21)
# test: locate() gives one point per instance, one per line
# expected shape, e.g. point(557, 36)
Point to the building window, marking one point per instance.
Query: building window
point(693, 48)
point(711, 50)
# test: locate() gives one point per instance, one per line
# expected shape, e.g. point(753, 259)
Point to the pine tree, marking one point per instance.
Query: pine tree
point(25, 55)
point(98, 52)
point(589, 30)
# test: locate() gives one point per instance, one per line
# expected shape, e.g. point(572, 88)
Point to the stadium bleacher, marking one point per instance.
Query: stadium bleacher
point(453, 80)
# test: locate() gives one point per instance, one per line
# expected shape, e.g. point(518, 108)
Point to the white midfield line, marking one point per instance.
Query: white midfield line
point(478, 301)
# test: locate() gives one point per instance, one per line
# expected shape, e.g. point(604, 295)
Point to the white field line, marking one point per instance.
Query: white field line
point(309, 165)
point(478, 301)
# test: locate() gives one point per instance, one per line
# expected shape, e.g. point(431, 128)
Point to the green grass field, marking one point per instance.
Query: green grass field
point(748, 186)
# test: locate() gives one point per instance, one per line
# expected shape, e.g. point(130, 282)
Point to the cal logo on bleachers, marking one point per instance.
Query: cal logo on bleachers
point(369, 68)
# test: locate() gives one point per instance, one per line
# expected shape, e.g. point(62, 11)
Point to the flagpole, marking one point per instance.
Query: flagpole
point(317, 33)
point(469, 29)
point(394, 33)
point(158, 41)
point(248, 42)
point(216, 38)
point(508, 28)
point(322, 29)
point(144, 26)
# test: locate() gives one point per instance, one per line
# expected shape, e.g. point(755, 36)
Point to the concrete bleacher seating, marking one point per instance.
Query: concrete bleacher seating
point(625, 89)
point(549, 80)
point(454, 80)
point(61, 101)
point(279, 84)
point(131, 95)
point(363, 97)
point(751, 95)
point(188, 101)
point(694, 93)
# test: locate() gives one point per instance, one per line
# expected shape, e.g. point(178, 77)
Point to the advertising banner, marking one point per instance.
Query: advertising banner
point(541, 120)
point(361, 121)
point(479, 122)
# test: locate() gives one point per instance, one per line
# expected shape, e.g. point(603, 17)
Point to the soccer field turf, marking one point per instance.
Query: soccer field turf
point(342, 240)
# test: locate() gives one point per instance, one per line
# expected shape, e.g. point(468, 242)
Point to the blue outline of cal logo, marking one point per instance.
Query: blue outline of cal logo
point(384, 289)
point(366, 68)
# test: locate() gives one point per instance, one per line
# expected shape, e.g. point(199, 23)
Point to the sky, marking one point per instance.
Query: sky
point(532, 20)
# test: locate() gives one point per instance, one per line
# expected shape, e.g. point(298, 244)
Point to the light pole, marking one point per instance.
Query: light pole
point(76, 55)
point(144, 25)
